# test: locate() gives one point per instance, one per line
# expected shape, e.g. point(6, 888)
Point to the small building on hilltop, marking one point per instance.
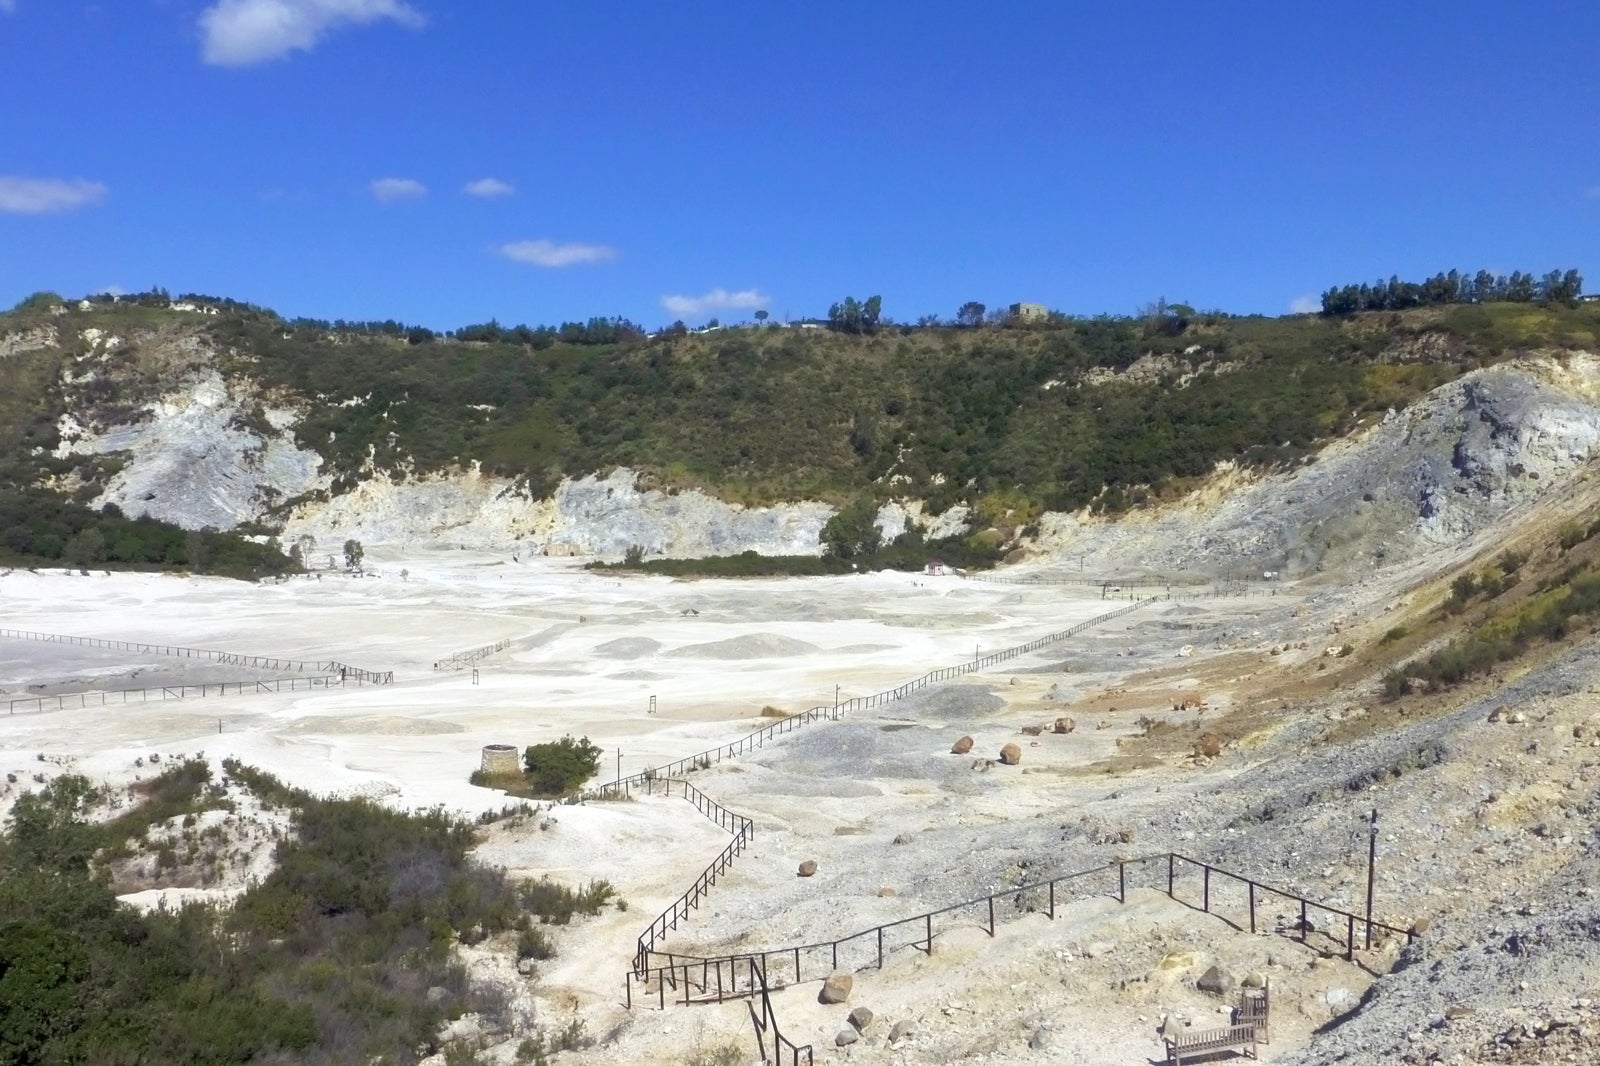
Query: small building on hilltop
point(1029, 313)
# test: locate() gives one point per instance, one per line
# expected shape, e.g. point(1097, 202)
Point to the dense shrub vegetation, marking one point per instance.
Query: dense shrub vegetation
point(342, 954)
point(1008, 418)
point(41, 529)
point(1549, 614)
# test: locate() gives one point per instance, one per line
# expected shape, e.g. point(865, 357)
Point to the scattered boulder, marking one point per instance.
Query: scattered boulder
point(1216, 982)
point(1420, 926)
point(846, 1037)
point(808, 868)
point(1209, 746)
point(836, 989)
point(901, 1030)
point(962, 746)
point(1065, 725)
point(1032, 730)
point(1254, 979)
point(1011, 755)
point(527, 967)
point(1170, 1027)
point(888, 892)
point(1040, 1041)
point(1178, 960)
point(1340, 1000)
point(904, 838)
point(860, 1018)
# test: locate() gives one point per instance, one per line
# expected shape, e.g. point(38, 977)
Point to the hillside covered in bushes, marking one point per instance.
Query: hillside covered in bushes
point(1103, 412)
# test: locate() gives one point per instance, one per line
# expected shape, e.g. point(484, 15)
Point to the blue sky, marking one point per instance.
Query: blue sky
point(661, 160)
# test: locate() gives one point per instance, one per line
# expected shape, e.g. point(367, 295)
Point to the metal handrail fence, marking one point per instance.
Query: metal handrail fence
point(1137, 581)
point(717, 978)
point(1256, 889)
point(693, 978)
point(767, 1022)
point(462, 659)
point(255, 662)
point(742, 828)
point(833, 712)
point(105, 698)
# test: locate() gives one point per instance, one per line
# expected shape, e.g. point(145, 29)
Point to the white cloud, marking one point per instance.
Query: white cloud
point(488, 188)
point(550, 254)
point(1305, 305)
point(716, 300)
point(237, 33)
point(9, 7)
point(393, 190)
point(39, 196)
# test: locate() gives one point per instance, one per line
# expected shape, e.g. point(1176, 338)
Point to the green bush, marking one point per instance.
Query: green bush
point(557, 767)
point(556, 904)
point(534, 944)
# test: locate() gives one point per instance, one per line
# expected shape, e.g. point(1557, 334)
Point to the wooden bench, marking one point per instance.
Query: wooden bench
point(1242, 1038)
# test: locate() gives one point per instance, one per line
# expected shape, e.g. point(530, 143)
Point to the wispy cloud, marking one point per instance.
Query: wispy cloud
point(41, 196)
point(488, 188)
point(716, 300)
point(1304, 305)
point(550, 254)
point(393, 190)
point(8, 7)
point(237, 33)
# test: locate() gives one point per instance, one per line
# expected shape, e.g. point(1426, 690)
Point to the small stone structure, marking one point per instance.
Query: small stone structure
point(500, 759)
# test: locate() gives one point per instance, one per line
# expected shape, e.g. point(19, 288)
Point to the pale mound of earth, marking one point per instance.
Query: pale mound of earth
point(864, 649)
point(381, 725)
point(628, 648)
point(634, 675)
point(753, 646)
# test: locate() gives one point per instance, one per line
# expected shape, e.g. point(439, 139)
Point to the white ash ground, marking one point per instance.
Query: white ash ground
point(587, 652)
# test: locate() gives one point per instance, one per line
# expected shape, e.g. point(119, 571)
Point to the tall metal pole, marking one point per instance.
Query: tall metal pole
point(1372, 863)
point(619, 777)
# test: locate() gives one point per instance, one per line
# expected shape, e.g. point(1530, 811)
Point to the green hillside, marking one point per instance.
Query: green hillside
point(1103, 411)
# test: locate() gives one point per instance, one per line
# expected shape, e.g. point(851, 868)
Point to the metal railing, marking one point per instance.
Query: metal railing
point(722, 977)
point(785, 1052)
point(687, 979)
point(1255, 890)
point(103, 698)
point(462, 659)
point(254, 662)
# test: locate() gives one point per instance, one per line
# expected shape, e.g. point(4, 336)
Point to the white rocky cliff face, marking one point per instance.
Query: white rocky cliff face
point(586, 516)
point(1426, 477)
point(1429, 476)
